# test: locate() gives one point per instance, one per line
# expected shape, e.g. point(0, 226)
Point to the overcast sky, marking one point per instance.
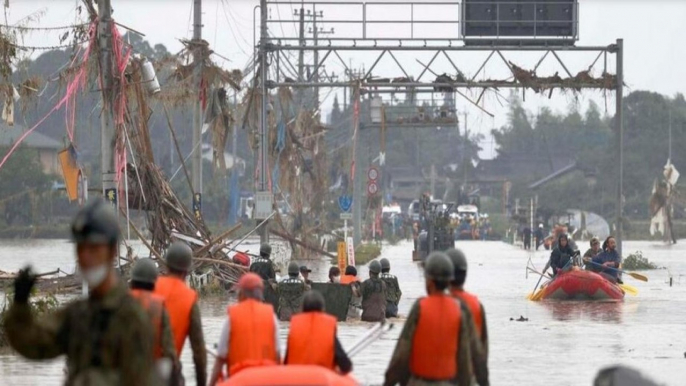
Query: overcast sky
point(652, 31)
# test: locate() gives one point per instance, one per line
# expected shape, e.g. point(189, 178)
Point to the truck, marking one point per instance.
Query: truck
point(433, 229)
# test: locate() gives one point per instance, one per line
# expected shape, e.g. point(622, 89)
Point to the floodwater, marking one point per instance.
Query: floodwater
point(560, 344)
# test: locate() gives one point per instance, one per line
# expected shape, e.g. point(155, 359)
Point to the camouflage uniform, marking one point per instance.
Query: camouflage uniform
point(470, 355)
point(107, 341)
point(393, 294)
point(291, 291)
point(264, 268)
point(373, 300)
point(197, 340)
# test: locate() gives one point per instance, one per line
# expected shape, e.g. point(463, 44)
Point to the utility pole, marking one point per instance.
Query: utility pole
point(620, 142)
point(464, 153)
point(301, 55)
point(315, 75)
point(263, 195)
point(109, 187)
point(108, 130)
point(197, 109)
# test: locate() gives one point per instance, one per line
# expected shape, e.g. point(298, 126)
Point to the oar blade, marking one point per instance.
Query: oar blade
point(631, 290)
point(638, 276)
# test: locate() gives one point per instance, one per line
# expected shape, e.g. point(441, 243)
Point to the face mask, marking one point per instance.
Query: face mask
point(95, 276)
point(336, 279)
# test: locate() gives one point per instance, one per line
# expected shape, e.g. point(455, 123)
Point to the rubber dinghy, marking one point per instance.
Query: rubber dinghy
point(581, 285)
point(291, 375)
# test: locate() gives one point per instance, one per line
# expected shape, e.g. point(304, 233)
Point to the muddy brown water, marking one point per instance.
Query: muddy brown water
point(560, 344)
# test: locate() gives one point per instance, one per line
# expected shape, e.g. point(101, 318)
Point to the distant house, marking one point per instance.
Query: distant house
point(47, 147)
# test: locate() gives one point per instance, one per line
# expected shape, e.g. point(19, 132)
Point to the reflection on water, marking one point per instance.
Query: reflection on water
point(562, 343)
point(607, 311)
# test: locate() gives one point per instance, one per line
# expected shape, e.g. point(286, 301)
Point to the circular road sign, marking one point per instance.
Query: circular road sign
point(372, 188)
point(373, 174)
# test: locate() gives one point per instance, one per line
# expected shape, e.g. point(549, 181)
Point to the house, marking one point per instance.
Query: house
point(47, 147)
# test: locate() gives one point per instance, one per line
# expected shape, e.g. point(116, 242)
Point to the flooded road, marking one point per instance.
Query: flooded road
point(560, 344)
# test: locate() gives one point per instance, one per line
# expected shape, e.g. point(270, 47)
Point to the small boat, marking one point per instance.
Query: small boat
point(291, 375)
point(579, 284)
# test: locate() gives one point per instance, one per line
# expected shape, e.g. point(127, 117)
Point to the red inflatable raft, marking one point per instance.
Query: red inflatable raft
point(582, 285)
point(291, 375)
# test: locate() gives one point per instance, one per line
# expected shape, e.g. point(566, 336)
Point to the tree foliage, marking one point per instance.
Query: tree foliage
point(589, 139)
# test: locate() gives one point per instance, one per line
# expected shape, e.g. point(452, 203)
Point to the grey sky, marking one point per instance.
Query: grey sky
point(651, 30)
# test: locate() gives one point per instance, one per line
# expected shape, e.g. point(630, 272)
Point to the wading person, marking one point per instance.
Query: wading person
point(181, 303)
point(291, 291)
point(143, 278)
point(373, 295)
point(350, 278)
point(561, 256)
point(106, 337)
point(470, 300)
point(393, 292)
point(263, 266)
point(250, 335)
point(434, 345)
point(350, 275)
point(312, 338)
point(305, 273)
point(335, 275)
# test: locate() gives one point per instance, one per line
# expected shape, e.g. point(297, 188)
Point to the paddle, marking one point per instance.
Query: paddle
point(533, 294)
point(631, 290)
point(635, 275)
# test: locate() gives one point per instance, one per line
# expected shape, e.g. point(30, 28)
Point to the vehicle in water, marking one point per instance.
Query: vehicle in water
point(580, 284)
point(436, 232)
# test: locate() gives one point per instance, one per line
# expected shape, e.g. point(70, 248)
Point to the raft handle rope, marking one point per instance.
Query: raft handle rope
point(370, 337)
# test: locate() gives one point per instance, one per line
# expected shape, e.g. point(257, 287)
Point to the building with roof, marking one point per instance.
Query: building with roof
point(46, 147)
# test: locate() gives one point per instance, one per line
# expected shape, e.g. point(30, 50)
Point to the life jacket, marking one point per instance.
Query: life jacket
point(179, 300)
point(311, 340)
point(348, 279)
point(435, 341)
point(242, 259)
point(251, 340)
point(472, 302)
point(154, 306)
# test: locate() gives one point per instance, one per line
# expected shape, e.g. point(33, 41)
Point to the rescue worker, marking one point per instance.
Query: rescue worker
point(350, 275)
point(305, 273)
point(263, 266)
point(143, 278)
point(435, 345)
point(312, 338)
point(373, 295)
point(393, 292)
point(291, 291)
point(105, 337)
point(350, 278)
point(470, 300)
point(181, 303)
point(250, 335)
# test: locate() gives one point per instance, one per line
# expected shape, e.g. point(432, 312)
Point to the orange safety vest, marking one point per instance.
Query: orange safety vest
point(154, 306)
point(251, 339)
point(435, 341)
point(311, 340)
point(348, 279)
point(472, 302)
point(179, 300)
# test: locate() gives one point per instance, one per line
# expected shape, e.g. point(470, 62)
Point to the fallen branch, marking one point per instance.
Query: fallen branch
point(301, 243)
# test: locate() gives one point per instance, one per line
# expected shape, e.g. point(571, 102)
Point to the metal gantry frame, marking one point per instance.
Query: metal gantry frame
point(276, 51)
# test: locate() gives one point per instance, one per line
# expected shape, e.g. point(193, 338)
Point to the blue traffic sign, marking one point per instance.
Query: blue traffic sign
point(345, 202)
